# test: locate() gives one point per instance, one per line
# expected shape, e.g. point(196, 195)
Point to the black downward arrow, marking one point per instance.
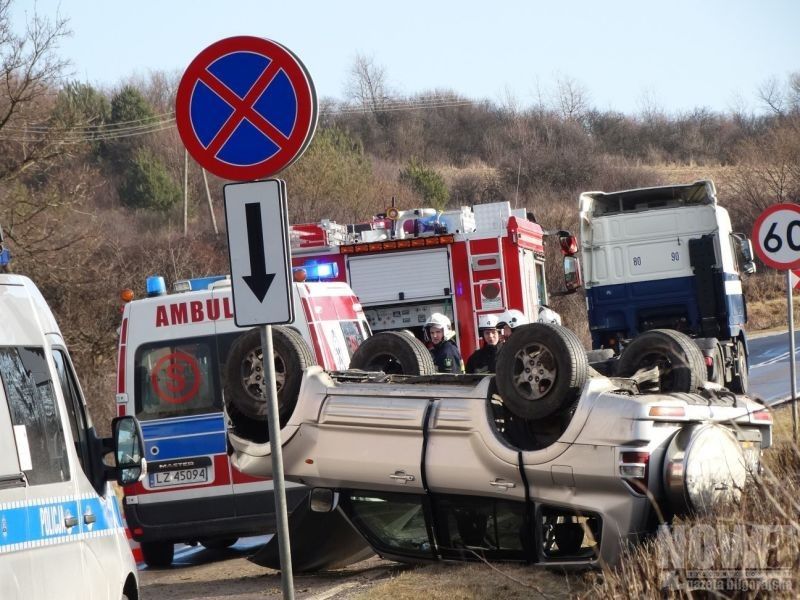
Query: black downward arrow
point(258, 280)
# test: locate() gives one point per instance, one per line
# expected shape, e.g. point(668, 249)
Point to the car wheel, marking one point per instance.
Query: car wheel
point(395, 353)
point(681, 366)
point(158, 554)
point(219, 544)
point(541, 370)
point(245, 381)
point(741, 382)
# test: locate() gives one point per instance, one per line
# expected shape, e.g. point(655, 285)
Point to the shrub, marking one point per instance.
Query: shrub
point(148, 184)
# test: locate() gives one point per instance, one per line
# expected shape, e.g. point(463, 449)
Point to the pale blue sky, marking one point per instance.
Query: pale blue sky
point(679, 53)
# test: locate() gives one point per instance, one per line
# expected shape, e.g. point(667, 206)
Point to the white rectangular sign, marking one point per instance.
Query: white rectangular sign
point(258, 244)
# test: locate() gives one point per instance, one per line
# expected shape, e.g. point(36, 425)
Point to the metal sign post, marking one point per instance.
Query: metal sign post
point(792, 366)
point(776, 234)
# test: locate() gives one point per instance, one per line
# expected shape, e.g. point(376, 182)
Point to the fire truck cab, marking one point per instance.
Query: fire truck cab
point(408, 264)
point(179, 355)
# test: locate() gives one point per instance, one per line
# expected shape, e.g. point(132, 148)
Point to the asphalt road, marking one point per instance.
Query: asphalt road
point(769, 366)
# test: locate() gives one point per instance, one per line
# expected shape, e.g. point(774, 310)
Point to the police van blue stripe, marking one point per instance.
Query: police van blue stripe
point(40, 522)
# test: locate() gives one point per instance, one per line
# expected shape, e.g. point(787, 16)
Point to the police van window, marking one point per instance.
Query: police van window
point(176, 378)
point(74, 404)
point(41, 446)
point(10, 473)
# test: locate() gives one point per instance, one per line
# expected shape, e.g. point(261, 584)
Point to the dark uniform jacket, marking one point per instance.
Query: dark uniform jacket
point(483, 360)
point(446, 357)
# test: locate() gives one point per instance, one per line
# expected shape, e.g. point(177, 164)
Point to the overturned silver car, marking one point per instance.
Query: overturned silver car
point(546, 462)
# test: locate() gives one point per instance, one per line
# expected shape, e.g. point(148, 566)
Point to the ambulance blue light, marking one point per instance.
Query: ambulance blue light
point(317, 271)
point(156, 286)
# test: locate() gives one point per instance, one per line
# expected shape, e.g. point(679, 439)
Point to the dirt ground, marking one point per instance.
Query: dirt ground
point(231, 576)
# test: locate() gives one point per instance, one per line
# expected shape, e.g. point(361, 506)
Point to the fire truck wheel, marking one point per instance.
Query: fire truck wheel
point(245, 384)
point(541, 370)
point(681, 366)
point(219, 544)
point(395, 353)
point(158, 554)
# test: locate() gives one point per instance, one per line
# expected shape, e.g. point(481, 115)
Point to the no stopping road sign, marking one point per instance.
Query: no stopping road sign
point(246, 108)
point(776, 236)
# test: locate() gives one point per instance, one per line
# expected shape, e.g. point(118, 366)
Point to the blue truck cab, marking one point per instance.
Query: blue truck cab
point(667, 258)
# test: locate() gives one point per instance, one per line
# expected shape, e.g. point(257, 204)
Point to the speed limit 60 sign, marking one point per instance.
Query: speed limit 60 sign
point(776, 235)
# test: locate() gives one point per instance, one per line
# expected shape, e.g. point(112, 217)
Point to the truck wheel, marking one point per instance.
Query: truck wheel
point(718, 375)
point(681, 366)
point(541, 370)
point(394, 353)
point(158, 554)
point(245, 386)
point(741, 382)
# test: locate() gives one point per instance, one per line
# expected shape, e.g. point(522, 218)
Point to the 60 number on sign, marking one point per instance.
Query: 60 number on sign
point(776, 234)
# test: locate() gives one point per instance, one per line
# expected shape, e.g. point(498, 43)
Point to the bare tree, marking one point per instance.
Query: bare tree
point(571, 99)
point(367, 85)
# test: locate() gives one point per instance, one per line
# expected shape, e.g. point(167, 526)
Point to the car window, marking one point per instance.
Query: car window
point(75, 410)
point(34, 412)
point(395, 522)
point(494, 528)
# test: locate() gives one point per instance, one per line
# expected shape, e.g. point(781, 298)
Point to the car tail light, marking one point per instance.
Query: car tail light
point(761, 416)
point(634, 467)
point(671, 412)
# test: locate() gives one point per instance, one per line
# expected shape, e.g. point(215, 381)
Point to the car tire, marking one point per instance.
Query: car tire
point(219, 544)
point(682, 367)
point(158, 554)
point(541, 370)
point(740, 383)
point(245, 389)
point(395, 353)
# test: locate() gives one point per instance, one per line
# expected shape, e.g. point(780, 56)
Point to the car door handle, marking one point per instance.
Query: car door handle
point(89, 518)
point(401, 476)
point(70, 522)
point(502, 483)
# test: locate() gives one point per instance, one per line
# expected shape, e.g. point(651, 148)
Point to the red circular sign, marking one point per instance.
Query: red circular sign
point(776, 236)
point(246, 108)
point(182, 378)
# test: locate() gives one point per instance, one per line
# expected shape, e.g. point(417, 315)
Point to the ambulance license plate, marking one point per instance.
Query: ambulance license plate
point(182, 477)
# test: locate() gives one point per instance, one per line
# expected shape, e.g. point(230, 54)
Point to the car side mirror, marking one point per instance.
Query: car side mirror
point(749, 267)
point(128, 448)
point(572, 274)
point(323, 500)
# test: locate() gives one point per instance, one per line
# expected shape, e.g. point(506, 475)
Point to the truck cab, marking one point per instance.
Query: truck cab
point(667, 258)
point(180, 355)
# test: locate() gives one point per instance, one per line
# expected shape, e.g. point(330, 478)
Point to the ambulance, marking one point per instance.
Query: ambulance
point(406, 265)
point(61, 530)
point(180, 354)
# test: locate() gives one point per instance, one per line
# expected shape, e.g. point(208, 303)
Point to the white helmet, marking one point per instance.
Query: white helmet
point(513, 318)
point(487, 322)
point(548, 315)
point(442, 322)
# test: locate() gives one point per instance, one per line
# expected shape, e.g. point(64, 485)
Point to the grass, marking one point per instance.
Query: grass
point(768, 515)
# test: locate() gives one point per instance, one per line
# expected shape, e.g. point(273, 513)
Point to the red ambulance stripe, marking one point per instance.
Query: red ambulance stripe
point(332, 308)
point(321, 351)
point(239, 477)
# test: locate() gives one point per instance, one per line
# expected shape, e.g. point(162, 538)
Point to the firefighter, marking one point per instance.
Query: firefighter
point(439, 332)
point(510, 320)
point(483, 360)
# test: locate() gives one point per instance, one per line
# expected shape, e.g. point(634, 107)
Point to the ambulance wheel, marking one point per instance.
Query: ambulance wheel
point(158, 554)
point(681, 366)
point(541, 370)
point(245, 381)
point(219, 544)
point(740, 382)
point(394, 353)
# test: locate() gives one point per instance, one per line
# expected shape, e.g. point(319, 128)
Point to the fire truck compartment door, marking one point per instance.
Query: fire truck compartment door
point(401, 276)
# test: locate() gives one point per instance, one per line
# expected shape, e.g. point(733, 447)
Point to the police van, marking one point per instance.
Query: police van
point(61, 531)
point(179, 354)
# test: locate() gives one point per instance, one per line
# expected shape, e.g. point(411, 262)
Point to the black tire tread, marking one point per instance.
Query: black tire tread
point(692, 373)
point(158, 554)
point(410, 353)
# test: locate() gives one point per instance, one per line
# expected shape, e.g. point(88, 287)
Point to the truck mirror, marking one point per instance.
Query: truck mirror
point(323, 500)
point(568, 243)
point(749, 267)
point(129, 460)
point(572, 274)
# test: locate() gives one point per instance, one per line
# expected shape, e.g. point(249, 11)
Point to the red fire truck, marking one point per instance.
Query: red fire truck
point(408, 264)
